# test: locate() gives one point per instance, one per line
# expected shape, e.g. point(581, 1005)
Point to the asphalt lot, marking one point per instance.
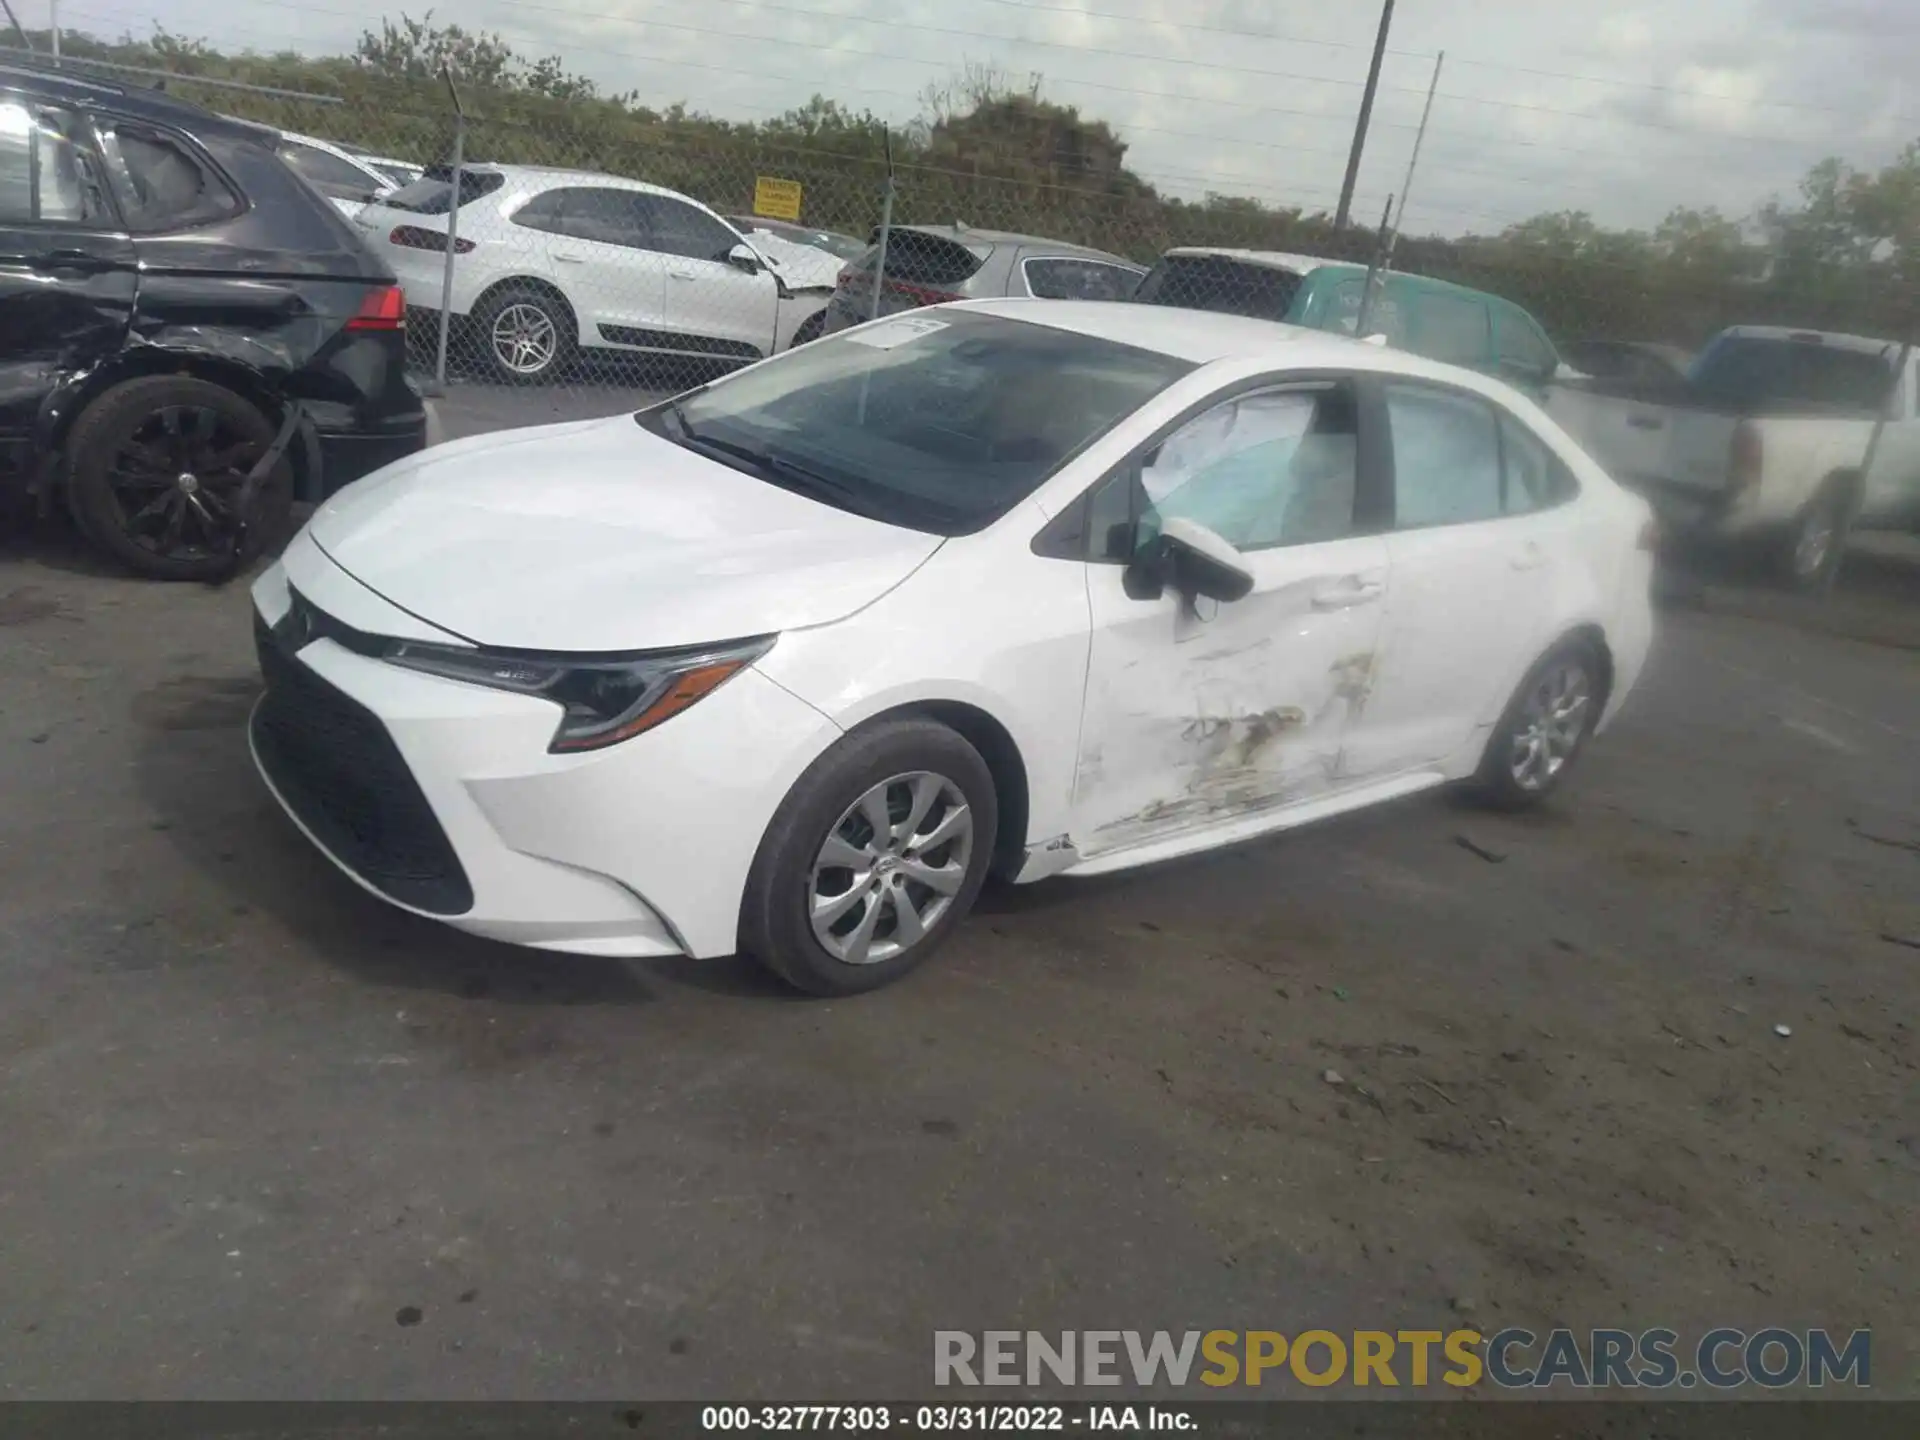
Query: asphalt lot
point(267, 1137)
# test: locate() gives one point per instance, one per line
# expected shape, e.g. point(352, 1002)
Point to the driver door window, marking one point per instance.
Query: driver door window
point(680, 229)
point(1274, 468)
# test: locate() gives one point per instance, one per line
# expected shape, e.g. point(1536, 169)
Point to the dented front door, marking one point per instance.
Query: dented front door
point(1197, 714)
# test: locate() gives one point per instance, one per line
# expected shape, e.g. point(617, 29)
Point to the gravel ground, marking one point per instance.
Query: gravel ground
point(267, 1137)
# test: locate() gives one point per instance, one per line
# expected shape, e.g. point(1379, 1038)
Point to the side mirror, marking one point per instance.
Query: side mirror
point(744, 257)
point(1194, 560)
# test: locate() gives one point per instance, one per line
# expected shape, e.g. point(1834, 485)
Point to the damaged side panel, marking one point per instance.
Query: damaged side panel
point(1197, 715)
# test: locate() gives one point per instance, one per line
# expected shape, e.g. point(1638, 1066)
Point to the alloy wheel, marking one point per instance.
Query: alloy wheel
point(1814, 543)
point(525, 339)
point(178, 479)
point(1552, 722)
point(889, 868)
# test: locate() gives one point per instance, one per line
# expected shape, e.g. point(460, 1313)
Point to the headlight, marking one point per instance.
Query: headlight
point(603, 701)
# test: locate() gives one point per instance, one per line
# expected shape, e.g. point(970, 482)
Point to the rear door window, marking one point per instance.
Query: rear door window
point(49, 172)
point(1535, 478)
point(1447, 327)
point(1446, 457)
point(590, 212)
point(162, 181)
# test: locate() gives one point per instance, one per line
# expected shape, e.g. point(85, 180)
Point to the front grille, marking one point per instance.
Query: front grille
point(340, 772)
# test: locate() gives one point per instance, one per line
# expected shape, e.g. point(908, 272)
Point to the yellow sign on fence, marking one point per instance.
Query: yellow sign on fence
point(776, 199)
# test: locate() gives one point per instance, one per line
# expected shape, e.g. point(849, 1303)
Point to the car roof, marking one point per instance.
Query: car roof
point(966, 234)
point(552, 175)
point(1835, 338)
point(137, 101)
point(1271, 259)
point(1203, 337)
point(1304, 265)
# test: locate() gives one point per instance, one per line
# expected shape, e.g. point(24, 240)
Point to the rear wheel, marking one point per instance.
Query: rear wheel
point(1545, 727)
point(524, 334)
point(873, 860)
point(157, 471)
point(1811, 553)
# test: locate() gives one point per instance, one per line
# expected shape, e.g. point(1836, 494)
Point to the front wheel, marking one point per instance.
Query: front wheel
point(1544, 729)
point(873, 859)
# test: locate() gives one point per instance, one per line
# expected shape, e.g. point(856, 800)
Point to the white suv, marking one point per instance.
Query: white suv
point(547, 262)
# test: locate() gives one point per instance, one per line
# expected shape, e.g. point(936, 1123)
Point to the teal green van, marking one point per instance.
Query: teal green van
point(1427, 317)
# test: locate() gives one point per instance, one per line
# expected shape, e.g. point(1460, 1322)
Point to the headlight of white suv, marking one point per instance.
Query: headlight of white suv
point(603, 699)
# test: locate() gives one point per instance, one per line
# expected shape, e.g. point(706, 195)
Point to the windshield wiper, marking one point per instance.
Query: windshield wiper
point(791, 473)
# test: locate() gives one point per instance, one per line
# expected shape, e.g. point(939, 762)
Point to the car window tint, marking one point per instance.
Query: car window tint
point(614, 217)
point(1072, 278)
point(1220, 284)
point(940, 424)
point(1535, 477)
point(679, 229)
point(49, 174)
point(1522, 347)
point(328, 174)
point(161, 183)
point(1386, 317)
point(543, 212)
point(1450, 328)
point(1446, 457)
point(1277, 468)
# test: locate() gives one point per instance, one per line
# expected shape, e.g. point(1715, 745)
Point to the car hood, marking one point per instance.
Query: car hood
point(601, 536)
point(803, 267)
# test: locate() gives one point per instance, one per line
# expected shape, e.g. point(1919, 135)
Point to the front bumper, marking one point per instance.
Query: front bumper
point(640, 849)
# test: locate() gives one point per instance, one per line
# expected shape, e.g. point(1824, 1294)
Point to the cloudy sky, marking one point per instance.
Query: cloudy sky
point(1623, 108)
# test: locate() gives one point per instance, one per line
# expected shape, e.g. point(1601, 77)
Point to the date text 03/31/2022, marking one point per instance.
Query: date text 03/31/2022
point(940, 1419)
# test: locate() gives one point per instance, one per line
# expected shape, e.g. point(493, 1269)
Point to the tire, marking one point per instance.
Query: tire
point(530, 321)
point(914, 763)
point(1503, 780)
point(1810, 552)
point(809, 330)
point(155, 468)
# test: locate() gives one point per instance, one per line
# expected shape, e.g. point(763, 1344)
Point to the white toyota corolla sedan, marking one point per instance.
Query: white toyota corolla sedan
point(790, 663)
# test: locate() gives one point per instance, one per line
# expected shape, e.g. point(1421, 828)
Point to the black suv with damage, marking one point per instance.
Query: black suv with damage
point(190, 336)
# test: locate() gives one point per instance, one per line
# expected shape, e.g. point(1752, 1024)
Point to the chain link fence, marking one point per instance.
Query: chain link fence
point(596, 243)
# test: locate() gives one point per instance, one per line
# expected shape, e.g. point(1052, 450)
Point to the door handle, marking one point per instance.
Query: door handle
point(1345, 594)
point(71, 260)
point(571, 257)
point(681, 275)
point(1645, 422)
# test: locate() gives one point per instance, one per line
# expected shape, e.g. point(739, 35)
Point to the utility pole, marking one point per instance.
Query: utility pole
point(1340, 216)
point(53, 24)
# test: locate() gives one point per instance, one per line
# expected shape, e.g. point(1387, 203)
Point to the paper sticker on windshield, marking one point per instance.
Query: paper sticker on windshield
point(896, 332)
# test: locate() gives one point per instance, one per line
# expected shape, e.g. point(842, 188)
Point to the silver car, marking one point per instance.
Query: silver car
point(932, 264)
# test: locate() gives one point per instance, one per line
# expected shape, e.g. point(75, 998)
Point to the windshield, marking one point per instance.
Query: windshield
point(1749, 371)
point(1222, 285)
point(939, 421)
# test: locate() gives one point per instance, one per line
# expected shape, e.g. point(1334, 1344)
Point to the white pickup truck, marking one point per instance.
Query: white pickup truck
point(1764, 440)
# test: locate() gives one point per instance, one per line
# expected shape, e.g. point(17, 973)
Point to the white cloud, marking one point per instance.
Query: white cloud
point(1720, 102)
